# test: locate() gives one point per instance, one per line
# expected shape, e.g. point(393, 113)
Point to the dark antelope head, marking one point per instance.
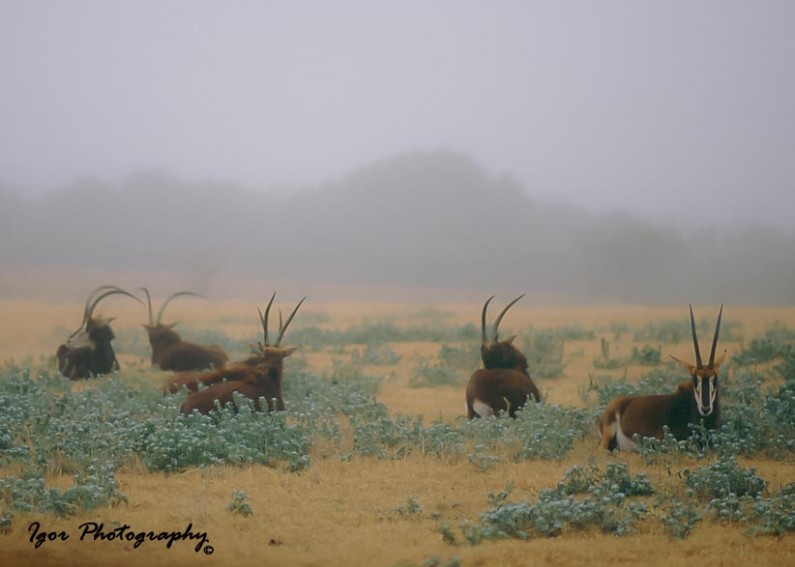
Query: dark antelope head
point(159, 331)
point(88, 351)
point(494, 352)
point(705, 378)
point(264, 350)
point(267, 360)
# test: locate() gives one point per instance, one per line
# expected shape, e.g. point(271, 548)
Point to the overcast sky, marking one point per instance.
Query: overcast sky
point(679, 110)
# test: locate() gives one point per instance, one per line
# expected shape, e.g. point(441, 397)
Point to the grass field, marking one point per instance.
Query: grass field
point(374, 464)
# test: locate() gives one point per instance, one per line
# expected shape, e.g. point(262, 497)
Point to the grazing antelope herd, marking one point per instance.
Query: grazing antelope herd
point(501, 384)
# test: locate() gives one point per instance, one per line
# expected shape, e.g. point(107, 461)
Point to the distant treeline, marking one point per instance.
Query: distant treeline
point(425, 219)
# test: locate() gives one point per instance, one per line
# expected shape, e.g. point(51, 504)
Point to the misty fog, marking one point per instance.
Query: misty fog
point(611, 151)
point(432, 220)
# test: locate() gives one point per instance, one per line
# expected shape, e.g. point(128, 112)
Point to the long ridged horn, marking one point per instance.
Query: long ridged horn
point(149, 306)
point(501, 315)
point(264, 319)
point(173, 296)
point(483, 320)
point(283, 329)
point(699, 364)
point(87, 308)
point(715, 340)
point(106, 294)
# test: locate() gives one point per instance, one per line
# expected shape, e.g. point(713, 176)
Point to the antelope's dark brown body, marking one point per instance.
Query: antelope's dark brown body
point(695, 402)
point(88, 351)
point(170, 352)
point(259, 376)
point(256, 378)
point(503, 384)
point(646, 416)
point(92, 359)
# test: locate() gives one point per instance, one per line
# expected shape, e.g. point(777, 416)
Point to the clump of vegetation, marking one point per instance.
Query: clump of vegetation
point(238, 505)
point(465, 358)
point(544, 352)
point(680, 519)
point(94, 488)
point(676, 331)
point(606, 362)
point(378, 354)
point(605, 506)
point(722, 478)
point(646, 355)
point(776, 515)
point(657, 381)
point(411, 509)
point(430, 375)
point(777, 343)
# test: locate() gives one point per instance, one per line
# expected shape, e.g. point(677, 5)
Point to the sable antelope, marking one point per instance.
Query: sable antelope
point(259, 376)
point(170, 352)
point(88, 350)
point(503, 383)
point(693, 402)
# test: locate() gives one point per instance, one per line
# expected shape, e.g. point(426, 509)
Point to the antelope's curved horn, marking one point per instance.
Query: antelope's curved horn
point(264, 320)
point(502, 314)
point(715, 340)
point(149, 306)
point(106, 294)
point(699, 364)
point(173, 296)
point(87, 307)
point(483, 321)
point(283, 329)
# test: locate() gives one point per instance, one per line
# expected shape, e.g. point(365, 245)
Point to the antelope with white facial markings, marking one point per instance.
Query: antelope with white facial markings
point(503, 384)
point(695, 402)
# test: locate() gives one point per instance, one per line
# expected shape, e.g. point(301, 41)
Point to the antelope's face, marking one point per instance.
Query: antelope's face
point(268, 362)
point(705, 390)
point(705, 377)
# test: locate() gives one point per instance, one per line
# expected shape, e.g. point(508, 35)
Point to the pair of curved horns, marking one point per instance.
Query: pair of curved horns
point(496, 327)
point(282, 327)
point(699, 363)
point(93, 300)
point(155, 322)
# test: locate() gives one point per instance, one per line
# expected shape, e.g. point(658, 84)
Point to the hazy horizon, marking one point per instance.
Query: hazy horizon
point(671, 112)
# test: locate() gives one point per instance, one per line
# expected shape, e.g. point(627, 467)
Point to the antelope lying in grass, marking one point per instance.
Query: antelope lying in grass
point(170, 352)
point(88, 351)
point(260, 376)
point(693, 402)
point(503, 383)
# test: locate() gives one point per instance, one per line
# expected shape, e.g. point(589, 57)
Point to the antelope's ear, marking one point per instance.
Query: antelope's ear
point(720, 360)
point(289, 350)
point(686, 365)
point(510, 339)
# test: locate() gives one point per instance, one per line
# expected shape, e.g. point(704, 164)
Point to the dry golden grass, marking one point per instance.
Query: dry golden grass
point(345, 513)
